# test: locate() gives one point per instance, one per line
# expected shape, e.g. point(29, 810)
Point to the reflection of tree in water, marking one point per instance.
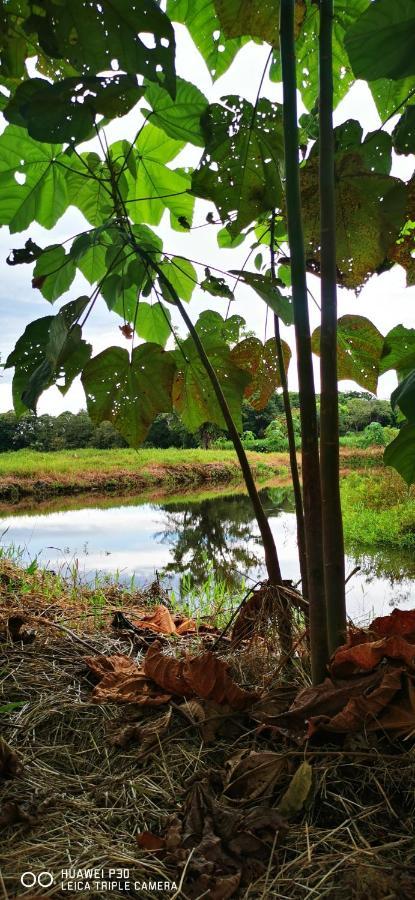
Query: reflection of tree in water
point(387, 562)
point(219, 531)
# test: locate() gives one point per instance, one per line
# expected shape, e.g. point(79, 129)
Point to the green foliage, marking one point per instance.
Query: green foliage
point(398, 350)
point(179, 118)
point(260, 362)
point(404, 132)
point(203, 25)
point(400, 453)
point(50, 349)
point(54, 272)
point(268, 291)
point(381, 42)
point(240, 170)
point(153, 322)
point(404, 397)
point(359, 349)
point(129, 392)
point(370, 205)
point(33, 184)
point(250, 17)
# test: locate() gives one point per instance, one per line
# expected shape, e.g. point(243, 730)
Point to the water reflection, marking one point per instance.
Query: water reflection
point(188, 536)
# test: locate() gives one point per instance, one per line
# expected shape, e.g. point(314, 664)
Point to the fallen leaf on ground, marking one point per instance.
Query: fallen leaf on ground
point(254, 775)
point(123, 681)
point(147, 733)
point(350, 660)
point(375, 710)
point(399, 622)
point(9, 761)
point(297, 791)
point(203, 676)
point(159, 620)
point(146, 840)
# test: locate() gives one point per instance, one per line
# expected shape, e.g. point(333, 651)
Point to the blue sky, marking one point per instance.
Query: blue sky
point(384, 299)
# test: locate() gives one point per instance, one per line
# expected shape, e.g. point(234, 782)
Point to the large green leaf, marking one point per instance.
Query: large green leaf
point(130, 393)
point(193, 395)
point(211, 324)
point(91, 36)
point(345, 13)
point(370, 208)
point(381, 43)
point(153, 322)
point(255, 18)
point(88, 252)
point(66, 111)
point(404, 397)
point(153, 187)
point(268, 291)
point(33, 186)
point(201, 20)
point(390, 96)
point(54, 272)
point(359, 349)
point(50, 349)
point(216, 286)
point(401, 453)
point(261, 363)
point(402, 251)
point(240, 170)
point(404, 132)
point(13, 44)
point(179, 118)
point(398, 350)
point(182, 277)
point(88, 183)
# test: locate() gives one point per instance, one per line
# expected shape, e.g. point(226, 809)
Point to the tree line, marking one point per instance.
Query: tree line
point(263, 429)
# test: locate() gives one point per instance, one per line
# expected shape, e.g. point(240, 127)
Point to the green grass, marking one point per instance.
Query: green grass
point(30, 462)
point(378, 510)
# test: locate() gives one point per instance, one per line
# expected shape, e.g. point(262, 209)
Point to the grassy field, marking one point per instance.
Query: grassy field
point(378, 510)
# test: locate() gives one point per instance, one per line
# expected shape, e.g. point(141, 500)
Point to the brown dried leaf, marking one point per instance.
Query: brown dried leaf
point(374, 710)
point(254, 775)
point(10, 765)
point(166, 671)
point(159, 620)
point(400, 622)
point(209, 678)
point(350, 660)
point(146, 840)
point(123, 681)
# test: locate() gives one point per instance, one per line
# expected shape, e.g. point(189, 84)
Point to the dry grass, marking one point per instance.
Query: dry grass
point(87, 800)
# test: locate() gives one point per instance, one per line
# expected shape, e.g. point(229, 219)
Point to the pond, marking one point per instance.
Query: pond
point(186, 539)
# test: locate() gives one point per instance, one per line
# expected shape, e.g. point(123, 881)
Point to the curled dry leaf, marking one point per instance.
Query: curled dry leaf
point(350, 660)
point(123, 681)
point(375, 710)
point(204, 676)
point(146, 840)
point(254, 775)
point(147, 733)
point(400, 622)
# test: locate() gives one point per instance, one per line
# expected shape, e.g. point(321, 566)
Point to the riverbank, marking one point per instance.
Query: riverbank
point(26, 473)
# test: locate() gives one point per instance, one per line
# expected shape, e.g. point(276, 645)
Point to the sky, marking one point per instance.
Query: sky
point(385, 299)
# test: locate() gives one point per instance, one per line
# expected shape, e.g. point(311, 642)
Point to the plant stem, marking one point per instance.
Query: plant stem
point(298, 499)
point(308, 410)
point(271, 555)
point(334, 570)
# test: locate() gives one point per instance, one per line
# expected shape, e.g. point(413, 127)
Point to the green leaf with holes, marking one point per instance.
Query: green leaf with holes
point(403, 135)
point(240, 171)
point(345, 14)
point(193, 396)
point(255, 18)
point(54, 272)
point(155, 187)
point(359, 350)
point(98, 37)
point(391, 96)
point(381, 43)
point(268, 291)
point(370, 206)
point(130, 393)
point(400, 454)
point(216, 286)
point(89, 189)
point(398, 350)
point(260, 362)
point(200, 19)
point(67, 110)
point(179, 118)
point(33, 185)
point(153, 322)
point(404, 397)
point(211, 324)
point(51, 349)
